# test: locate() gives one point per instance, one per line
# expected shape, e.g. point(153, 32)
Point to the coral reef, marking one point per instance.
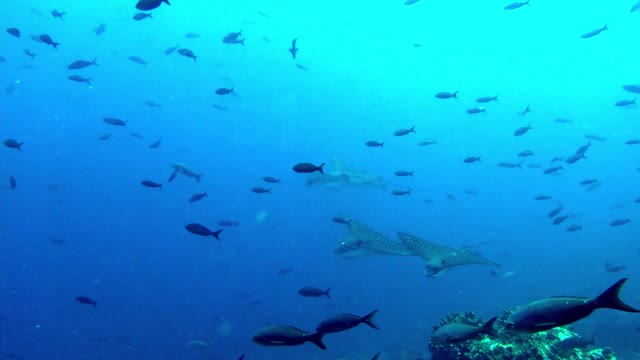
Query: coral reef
point(506, 345)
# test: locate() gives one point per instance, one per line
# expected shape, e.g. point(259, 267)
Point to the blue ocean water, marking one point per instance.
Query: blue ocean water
point(78, 222)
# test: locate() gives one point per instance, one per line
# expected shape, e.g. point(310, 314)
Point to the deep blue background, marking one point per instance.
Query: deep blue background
point(158, 286)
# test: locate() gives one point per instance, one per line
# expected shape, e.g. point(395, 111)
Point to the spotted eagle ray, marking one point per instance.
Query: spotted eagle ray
point(440, 258)
point(364, 241)
point(341, 175)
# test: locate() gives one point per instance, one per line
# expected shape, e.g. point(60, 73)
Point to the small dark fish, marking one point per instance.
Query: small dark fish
point(342, 322)
point(637, 201)
point(294, 50)
point(576, 342)
point(142, 16)
point(151, 184)
point(259, 190)
point(542, 197)
point(447, 95)
point(154, 104)
point(594, 32)
point(619, 222)
point(622, 103)
point(410, 2)
point(553, 213)
point(79, 78)
point(100, 29)
point(80, 64)
point(233, 38)
point(523, 130)
point(403, 173)
point(476, 110)
point(525, 111)
point(553, 170)
point(302, 67)
point(173, 175)
point(635, 7)
point(191, 35)
point(583, 149)
point(376, 356)
point(285, 271)
point(58, 14)
point(526, 153)
point(310, 291)
point(510, 165)
point(614, 268)
point(46, 39)
point(486, 99)
point(595, 137)
point(472, 159)
point(227, 223)
point(12, 182)
point(270, 179)
point(403, 132)
point(516, 5)
point(285, 335)
point(632, 88)
point(557, 311)
point(401, 192)
point(137, 60)
point(114, 121)
point(374, 144)
point(563, 121)
point(220, 107)
point(458, 332)
point(588, 181)
point(452, 197)
point(202, 230)
point(14, 32)
point(29, 53)
point(155, 144)
point(86, 300)
point(308, 168)
point(341, 220)
point(427, 143)
point(146, 5)
point(574, 158)
point(560, 219)
point(417, 45)
point(13, 144)
point(574, 228)
point(187, 53)
point(104, 137)
point(633, 142)
point(58, 242)
point(197, 197)
point(3, 60)
point(223, 91)
point(171, 50)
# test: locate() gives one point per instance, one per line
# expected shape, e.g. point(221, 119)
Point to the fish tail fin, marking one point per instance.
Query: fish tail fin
point(321, 168)
point(198, 177)
point(241, 357)
point(368, 319)
point(195, 58)
point(55, 45)
point(269, 190)
point(413, 129)
point(160, 186)
point(316, 339)
point(205, 194)
point(495, 98)
point(95, 61)
point(487, 328)
point(242, 42)
point(610, 298)
point(216, 234)
point(166, 2)
point(150, 15)
point(88, 81)
point(409, 192)
point(326, 293)
point(94, 303)
point(376, 356)
point(634, 100)
point(520, 164)
point(593, 340)
point(382, 144)
point(455, 94)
